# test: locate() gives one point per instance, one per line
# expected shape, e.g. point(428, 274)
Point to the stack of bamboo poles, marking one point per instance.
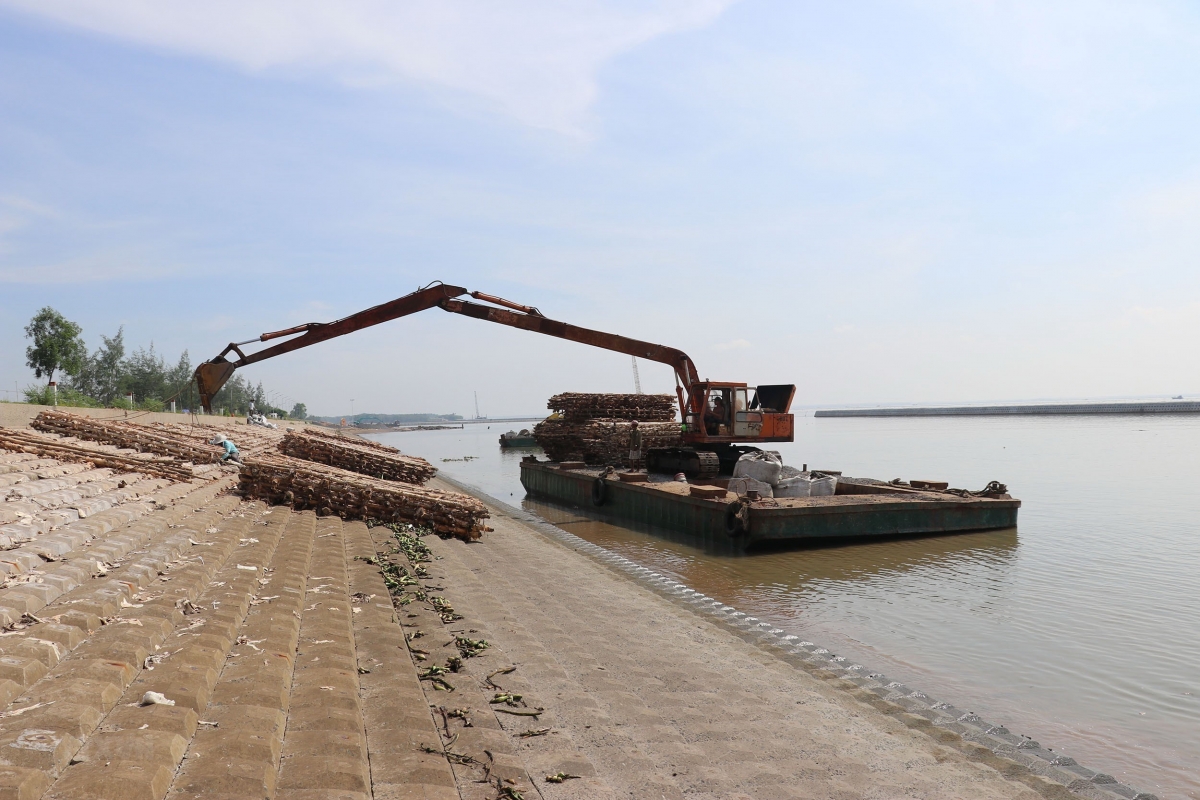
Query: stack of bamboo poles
point(357, 455)
point(337, 436)
point(124, 434)
point(643, 407)
point(27, 442)
point(249, 439)
point(331, 491)
point(601, 441)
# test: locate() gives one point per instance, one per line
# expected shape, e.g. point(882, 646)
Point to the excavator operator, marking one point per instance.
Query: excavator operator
point(715, 418)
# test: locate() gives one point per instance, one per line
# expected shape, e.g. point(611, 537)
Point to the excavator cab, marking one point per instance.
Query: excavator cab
point(725, 413)
point(722, 422)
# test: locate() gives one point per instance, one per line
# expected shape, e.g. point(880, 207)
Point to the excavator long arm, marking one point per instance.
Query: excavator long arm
point(212, 375)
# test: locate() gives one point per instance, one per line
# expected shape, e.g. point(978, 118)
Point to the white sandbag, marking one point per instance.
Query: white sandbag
point(740, 486)
point(761, 465)
point(807, 485)
point(824, 486)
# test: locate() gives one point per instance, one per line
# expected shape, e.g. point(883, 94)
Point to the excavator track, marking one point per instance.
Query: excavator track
point(693, 463)
point(709, 463)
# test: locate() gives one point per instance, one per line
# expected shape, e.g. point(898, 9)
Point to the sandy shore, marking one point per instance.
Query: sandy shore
point(662, 702)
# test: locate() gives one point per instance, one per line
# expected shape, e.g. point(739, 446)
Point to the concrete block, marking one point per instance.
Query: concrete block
point(170, 719)
point(113, 780)
point(324, 773)
point(224, 776)
point(22, 670)
point(22, 784)
point(38, 748)
point(156, 746)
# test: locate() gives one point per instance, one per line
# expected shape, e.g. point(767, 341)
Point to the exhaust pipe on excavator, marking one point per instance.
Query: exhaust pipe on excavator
point(210, 377)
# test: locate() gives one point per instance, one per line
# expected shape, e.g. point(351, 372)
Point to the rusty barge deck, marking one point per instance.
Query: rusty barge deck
point(862, 511)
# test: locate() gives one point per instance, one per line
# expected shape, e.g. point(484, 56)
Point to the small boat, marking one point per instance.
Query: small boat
point(859, 508)
point(522, 439)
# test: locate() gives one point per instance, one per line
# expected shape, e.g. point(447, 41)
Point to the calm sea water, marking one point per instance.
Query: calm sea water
point(1080, 628)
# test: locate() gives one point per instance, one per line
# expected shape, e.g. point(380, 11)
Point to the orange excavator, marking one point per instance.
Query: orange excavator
point(721, 419)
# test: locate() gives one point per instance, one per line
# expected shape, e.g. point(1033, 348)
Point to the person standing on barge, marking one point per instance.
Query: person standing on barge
point(635, 446)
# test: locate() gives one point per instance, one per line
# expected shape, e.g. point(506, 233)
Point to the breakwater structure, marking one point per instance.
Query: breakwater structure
point(1039, 409)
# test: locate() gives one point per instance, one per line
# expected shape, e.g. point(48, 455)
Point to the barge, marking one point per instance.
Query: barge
point(860, 508)
point(512, 439)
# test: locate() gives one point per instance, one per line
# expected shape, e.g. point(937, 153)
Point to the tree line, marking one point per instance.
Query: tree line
point(111, 377)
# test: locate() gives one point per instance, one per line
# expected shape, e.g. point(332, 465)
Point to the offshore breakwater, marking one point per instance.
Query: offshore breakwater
point(1042, 409)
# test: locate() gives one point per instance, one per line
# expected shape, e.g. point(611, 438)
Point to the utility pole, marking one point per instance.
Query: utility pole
point(351, 410)
point(637, 381)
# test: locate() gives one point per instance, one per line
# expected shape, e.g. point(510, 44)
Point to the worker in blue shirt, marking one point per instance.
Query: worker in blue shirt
point(231, 451)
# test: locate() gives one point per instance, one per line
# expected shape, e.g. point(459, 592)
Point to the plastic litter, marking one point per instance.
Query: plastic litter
point(156, 699)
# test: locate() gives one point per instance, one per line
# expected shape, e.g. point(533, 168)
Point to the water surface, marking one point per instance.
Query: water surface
point(1080, 628)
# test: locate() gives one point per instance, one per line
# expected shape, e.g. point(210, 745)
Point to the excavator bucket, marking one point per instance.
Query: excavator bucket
point(210, 377)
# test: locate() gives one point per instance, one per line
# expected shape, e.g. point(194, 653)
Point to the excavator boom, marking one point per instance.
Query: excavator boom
point(213, 374)
point(715, 415)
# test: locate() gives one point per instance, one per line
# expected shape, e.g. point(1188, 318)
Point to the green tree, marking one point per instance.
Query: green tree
point(145, 375)
point(57, 344)
point(101, 373)
point(179, 375)
point(299, 411)
point(65, 396)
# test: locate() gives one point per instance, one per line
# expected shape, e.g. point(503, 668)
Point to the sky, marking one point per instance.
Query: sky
point(922, 201)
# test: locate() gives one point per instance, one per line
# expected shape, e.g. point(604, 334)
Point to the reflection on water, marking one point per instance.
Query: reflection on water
point(1080, 629)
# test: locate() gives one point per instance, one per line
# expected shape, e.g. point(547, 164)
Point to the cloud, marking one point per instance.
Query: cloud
point(736, 344)
point(534, 60)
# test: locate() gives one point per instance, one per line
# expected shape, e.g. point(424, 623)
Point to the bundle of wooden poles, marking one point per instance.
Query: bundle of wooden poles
point(125, 434)
point(601, 441)
point(643, 407)
point(331, 491)
point(357, 455)
point(347, 476)
point(22, 441)
point(250, 439)
point(340, 437)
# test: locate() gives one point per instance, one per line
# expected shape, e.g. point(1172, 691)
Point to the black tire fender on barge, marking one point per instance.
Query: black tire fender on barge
point(735, 520)
point(599, 490)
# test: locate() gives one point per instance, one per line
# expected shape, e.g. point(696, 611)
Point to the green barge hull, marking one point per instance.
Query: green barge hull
point(838, 517)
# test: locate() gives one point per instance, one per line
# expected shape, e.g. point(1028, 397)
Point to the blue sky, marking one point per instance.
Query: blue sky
point(878, 201)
